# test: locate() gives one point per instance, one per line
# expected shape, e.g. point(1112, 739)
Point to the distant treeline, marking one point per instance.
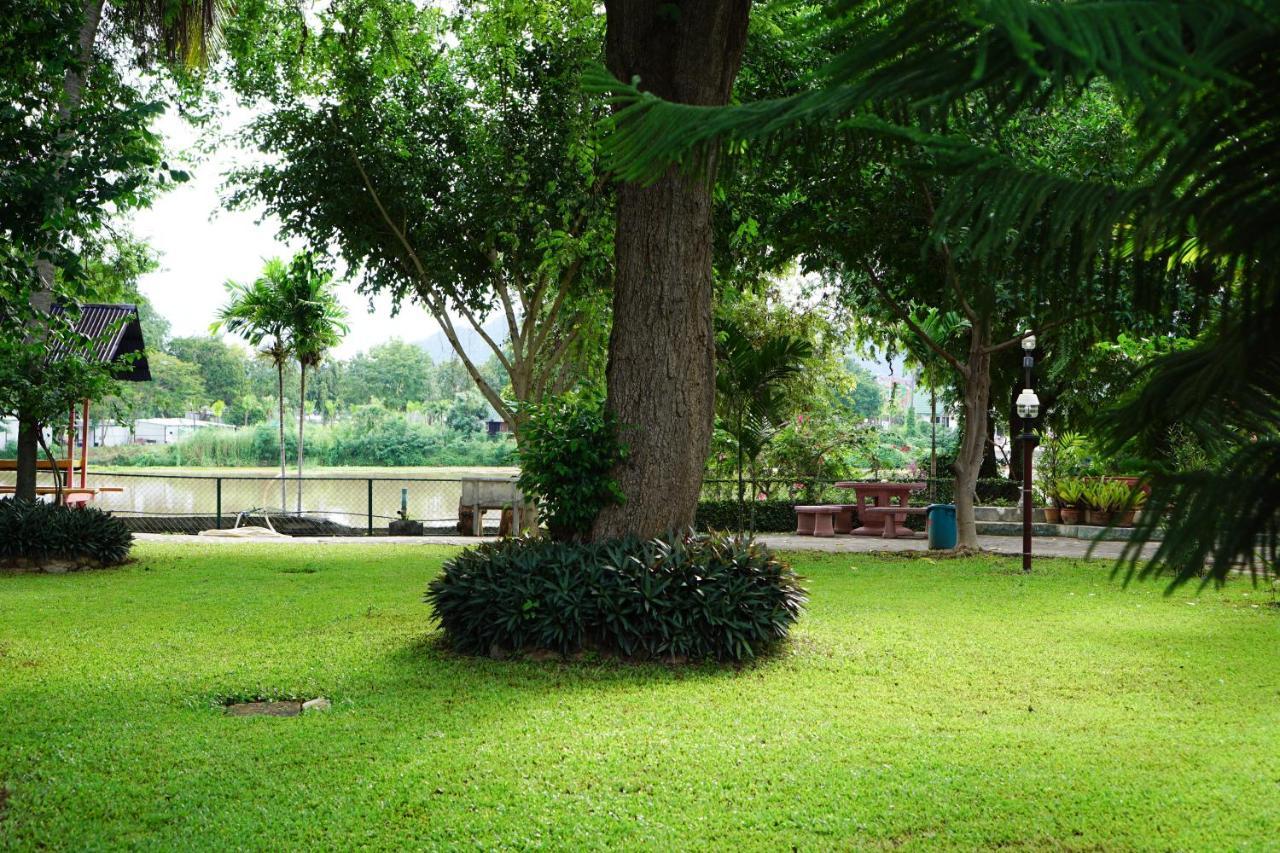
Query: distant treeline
point(389, 442)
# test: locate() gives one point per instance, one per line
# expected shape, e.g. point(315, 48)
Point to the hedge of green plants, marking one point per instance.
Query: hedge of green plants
point(391, 442)
point(693, 597)
point(779, 516)
point(771, 516)
point(37, 531)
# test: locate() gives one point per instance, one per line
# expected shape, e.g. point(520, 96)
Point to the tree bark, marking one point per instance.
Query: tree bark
point(302, 416)
point(661, 371)
point(972, 450)
point(284, 500)
point(28, 454)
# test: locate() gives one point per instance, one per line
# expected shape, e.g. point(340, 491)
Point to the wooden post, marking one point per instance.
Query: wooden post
point(84, 445)
point(1028, 445)
point(69, 480)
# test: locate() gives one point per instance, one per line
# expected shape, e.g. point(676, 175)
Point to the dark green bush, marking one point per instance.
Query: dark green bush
point(568, 447)
point(774, 516)
point(697, 597)
point(36, 530)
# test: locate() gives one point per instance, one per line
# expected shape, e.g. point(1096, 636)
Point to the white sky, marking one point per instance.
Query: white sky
point(201, 246)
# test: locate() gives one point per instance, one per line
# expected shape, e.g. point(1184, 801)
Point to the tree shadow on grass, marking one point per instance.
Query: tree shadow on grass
point(588, 669)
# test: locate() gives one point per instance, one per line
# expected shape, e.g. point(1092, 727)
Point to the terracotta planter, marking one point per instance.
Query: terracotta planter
point(1097, 517)
point(1070, 515)
point(1124, 519)
point(1052, 515)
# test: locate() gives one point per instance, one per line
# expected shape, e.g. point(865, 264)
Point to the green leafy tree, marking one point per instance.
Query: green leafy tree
point(458, 154)
point(1200, 83)
point(866, 397)
point(222, 367)
point(75, 151)
point(467, 413)
point(571, 445)
point(176, 388)
point(395, 372)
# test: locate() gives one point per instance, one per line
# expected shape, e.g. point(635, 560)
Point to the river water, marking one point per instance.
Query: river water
point(342, 495)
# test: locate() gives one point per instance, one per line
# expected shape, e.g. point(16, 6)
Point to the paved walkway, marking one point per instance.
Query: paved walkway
point(1043, 546)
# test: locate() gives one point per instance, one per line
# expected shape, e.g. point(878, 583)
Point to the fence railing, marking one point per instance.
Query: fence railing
point(355, 505)
point(338, 505)
point(820, 490)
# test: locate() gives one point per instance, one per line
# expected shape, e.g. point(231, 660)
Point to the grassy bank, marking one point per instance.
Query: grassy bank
point(920, 704)
point(390, 442)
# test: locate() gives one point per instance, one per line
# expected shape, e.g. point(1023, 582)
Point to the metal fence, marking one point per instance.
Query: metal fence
point(801, 489)
point(333, 505)
point(365, 506)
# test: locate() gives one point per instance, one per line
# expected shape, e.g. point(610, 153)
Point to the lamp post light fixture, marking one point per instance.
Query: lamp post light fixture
point(1028, 407)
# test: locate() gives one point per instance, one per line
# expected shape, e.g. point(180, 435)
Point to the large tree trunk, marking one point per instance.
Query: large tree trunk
point(28, 453)
point(661, 376)
point(42, 300)
point(969, 455)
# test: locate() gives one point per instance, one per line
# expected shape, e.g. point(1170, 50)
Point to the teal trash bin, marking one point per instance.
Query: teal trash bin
point(940, 521)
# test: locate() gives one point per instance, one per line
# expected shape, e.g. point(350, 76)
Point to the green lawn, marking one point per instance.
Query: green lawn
point(919, 704)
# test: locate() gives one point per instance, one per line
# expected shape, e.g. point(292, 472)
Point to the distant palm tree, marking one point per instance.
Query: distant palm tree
point(316, 323)
point(258, 313)
point(751, 378)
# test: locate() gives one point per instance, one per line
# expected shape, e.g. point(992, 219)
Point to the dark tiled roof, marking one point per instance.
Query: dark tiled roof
point(114, 331)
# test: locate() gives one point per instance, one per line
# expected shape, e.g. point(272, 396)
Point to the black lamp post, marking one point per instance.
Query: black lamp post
point(1028, 405)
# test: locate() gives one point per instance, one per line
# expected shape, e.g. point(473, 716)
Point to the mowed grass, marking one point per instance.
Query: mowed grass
point(919, 704)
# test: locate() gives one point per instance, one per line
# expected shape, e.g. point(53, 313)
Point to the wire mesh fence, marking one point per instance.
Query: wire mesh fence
point(334, 505)
point(354, 505)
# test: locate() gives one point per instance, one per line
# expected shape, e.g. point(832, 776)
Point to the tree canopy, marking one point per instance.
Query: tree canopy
point(1199, 82)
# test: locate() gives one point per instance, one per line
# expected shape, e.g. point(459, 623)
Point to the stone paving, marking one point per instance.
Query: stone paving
point(1043, 546)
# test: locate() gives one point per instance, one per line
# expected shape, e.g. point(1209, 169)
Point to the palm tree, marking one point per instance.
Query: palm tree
point(751, 380)
point(315, 323)
point(258, 313)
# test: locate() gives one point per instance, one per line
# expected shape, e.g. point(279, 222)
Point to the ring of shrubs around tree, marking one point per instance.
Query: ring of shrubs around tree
point(684, 597)
point(38, 535)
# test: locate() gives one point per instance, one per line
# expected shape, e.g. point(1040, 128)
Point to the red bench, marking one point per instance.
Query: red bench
point(893, 517)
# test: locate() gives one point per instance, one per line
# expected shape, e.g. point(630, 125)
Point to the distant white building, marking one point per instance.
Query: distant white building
point(169, 430)
point(948, 414)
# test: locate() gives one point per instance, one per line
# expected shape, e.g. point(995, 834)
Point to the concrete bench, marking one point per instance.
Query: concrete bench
point(892, 517)
point(816, 520)
point(844, 518)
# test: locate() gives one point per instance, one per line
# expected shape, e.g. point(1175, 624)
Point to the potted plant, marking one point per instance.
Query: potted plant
point(1134, 500)
point(1070, 491)
point(1052, 505)
point(1105, 498)
point(1096, 502)
point(1048, 492)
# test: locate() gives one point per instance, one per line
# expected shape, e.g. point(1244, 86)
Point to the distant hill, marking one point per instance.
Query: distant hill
point(438, 347)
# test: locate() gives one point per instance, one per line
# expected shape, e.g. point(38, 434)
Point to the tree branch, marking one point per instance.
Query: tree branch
point(513, 328)
point(436, 308)
point(497, 350)
point(549, 321)
point(446, 325)
point(905, 316)
point(386, 217)
point(953, 278)
point(1039, 330)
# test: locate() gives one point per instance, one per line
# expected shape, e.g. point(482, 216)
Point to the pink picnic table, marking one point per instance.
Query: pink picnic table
point(880, 494)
